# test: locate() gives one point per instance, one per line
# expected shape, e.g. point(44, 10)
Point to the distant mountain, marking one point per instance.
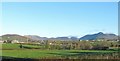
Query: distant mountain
point(96, 36)
point(14, 37)
point(74, 38)
point(99, 35)
point(62, 38)
point(35, 37)
point(65, 38)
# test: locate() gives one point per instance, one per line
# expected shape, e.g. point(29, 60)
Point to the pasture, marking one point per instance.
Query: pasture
point(13, 50)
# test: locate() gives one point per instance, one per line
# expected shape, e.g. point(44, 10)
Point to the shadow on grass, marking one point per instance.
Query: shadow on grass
point(6, 58)
point(88, 55)
point(79, 53)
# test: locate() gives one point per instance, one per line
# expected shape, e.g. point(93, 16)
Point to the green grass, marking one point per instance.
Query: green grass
point(10, 46)
point(39, 53)
point(34, 46)
point(49, 53)
point(113, 48)
point(16, 46)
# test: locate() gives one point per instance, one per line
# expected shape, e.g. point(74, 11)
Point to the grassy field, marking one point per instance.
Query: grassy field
point(10, 46)
point(51, 53)
point(16, 46)
point(13, 50)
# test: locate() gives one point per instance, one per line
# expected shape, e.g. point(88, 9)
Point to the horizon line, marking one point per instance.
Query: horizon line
point(55, 36)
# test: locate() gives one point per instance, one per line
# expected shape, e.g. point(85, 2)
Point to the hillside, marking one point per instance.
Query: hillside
point(35, 37)
point(96, 36)
point(14, 37)
point(99, 35)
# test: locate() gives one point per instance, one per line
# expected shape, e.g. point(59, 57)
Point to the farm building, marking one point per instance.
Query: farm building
point(15, 41)
point(1, 41)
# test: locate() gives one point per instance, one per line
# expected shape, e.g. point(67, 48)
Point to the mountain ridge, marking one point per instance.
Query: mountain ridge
point(95, 36)
point(99, 35)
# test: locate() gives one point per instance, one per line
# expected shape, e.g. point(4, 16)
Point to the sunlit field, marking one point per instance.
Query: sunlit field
point(14, 51)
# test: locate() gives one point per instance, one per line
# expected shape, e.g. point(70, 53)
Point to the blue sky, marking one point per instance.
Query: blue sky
point(60, 0)
point(59, 19)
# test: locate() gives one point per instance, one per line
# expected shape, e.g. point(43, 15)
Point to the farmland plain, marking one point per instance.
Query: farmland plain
point(13, 50)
